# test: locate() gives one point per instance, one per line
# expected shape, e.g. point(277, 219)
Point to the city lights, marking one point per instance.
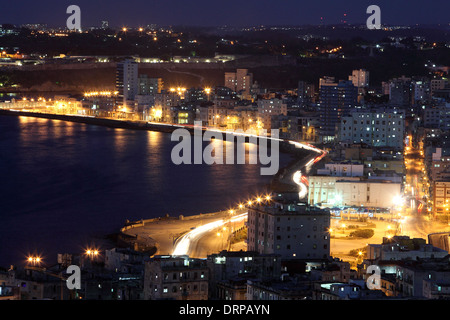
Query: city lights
point(34, 260)
point(92, 253)
point(117, 137)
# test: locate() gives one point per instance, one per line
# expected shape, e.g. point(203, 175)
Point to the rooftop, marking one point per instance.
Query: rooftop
point(289, 208)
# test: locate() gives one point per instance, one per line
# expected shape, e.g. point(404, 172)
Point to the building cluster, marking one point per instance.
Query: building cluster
point(288, 258)
point(367, 130)
point(434, 146)
point(370, 134)
point(330, 112)
point(237, 105)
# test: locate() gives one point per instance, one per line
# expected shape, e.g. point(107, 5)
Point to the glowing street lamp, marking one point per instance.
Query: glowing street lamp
point(208, 92)
point(398, 200)
point(331, 230)
point(34, 260)
point(92, 253)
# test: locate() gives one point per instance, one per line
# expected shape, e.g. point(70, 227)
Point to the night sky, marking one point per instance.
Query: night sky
point(232, 12)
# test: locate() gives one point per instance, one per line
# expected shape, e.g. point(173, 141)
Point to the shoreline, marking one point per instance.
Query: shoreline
point(149, 243)
point(105, 122)
point(285, 145)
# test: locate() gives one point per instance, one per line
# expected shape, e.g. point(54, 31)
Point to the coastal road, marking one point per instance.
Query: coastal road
point(202, 235)
point(208, 238)
point(214, 236)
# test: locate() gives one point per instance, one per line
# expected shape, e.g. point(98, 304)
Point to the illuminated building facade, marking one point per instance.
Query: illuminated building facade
point(127, 81)
point(175, 278)
point(292, 230)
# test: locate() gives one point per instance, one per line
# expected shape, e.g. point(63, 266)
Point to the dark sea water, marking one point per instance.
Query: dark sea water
point(65, 185)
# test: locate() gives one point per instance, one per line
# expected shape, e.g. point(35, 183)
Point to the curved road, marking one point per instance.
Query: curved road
point(213, 237)
point(208, 238)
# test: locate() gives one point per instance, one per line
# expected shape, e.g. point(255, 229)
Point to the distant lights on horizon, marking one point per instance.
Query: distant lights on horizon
point(101, 93)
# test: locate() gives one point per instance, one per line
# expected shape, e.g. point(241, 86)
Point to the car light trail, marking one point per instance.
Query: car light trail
point(298, 178)
point(182, 246)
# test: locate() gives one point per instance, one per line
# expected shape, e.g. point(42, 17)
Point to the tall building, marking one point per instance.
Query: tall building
point(292, 230)
point(244, 81)
point(360, 78)
point(335, 100)
point(378, 128)
point(127, 81)
point(400, 92)
point(230, 80)
point(240, 81)
point(149, 85)
point(305, 92)
point(268, 108)
point(422, 90)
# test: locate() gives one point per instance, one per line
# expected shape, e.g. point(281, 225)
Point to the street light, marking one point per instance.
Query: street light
point(331, 230)
point(92, 253)
point(34, 260)
point(220, 234)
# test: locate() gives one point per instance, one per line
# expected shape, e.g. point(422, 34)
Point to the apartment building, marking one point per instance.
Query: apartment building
point(175, 278)
point(290, 229)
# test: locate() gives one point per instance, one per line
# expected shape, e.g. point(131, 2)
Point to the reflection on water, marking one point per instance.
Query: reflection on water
point(63, 183)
